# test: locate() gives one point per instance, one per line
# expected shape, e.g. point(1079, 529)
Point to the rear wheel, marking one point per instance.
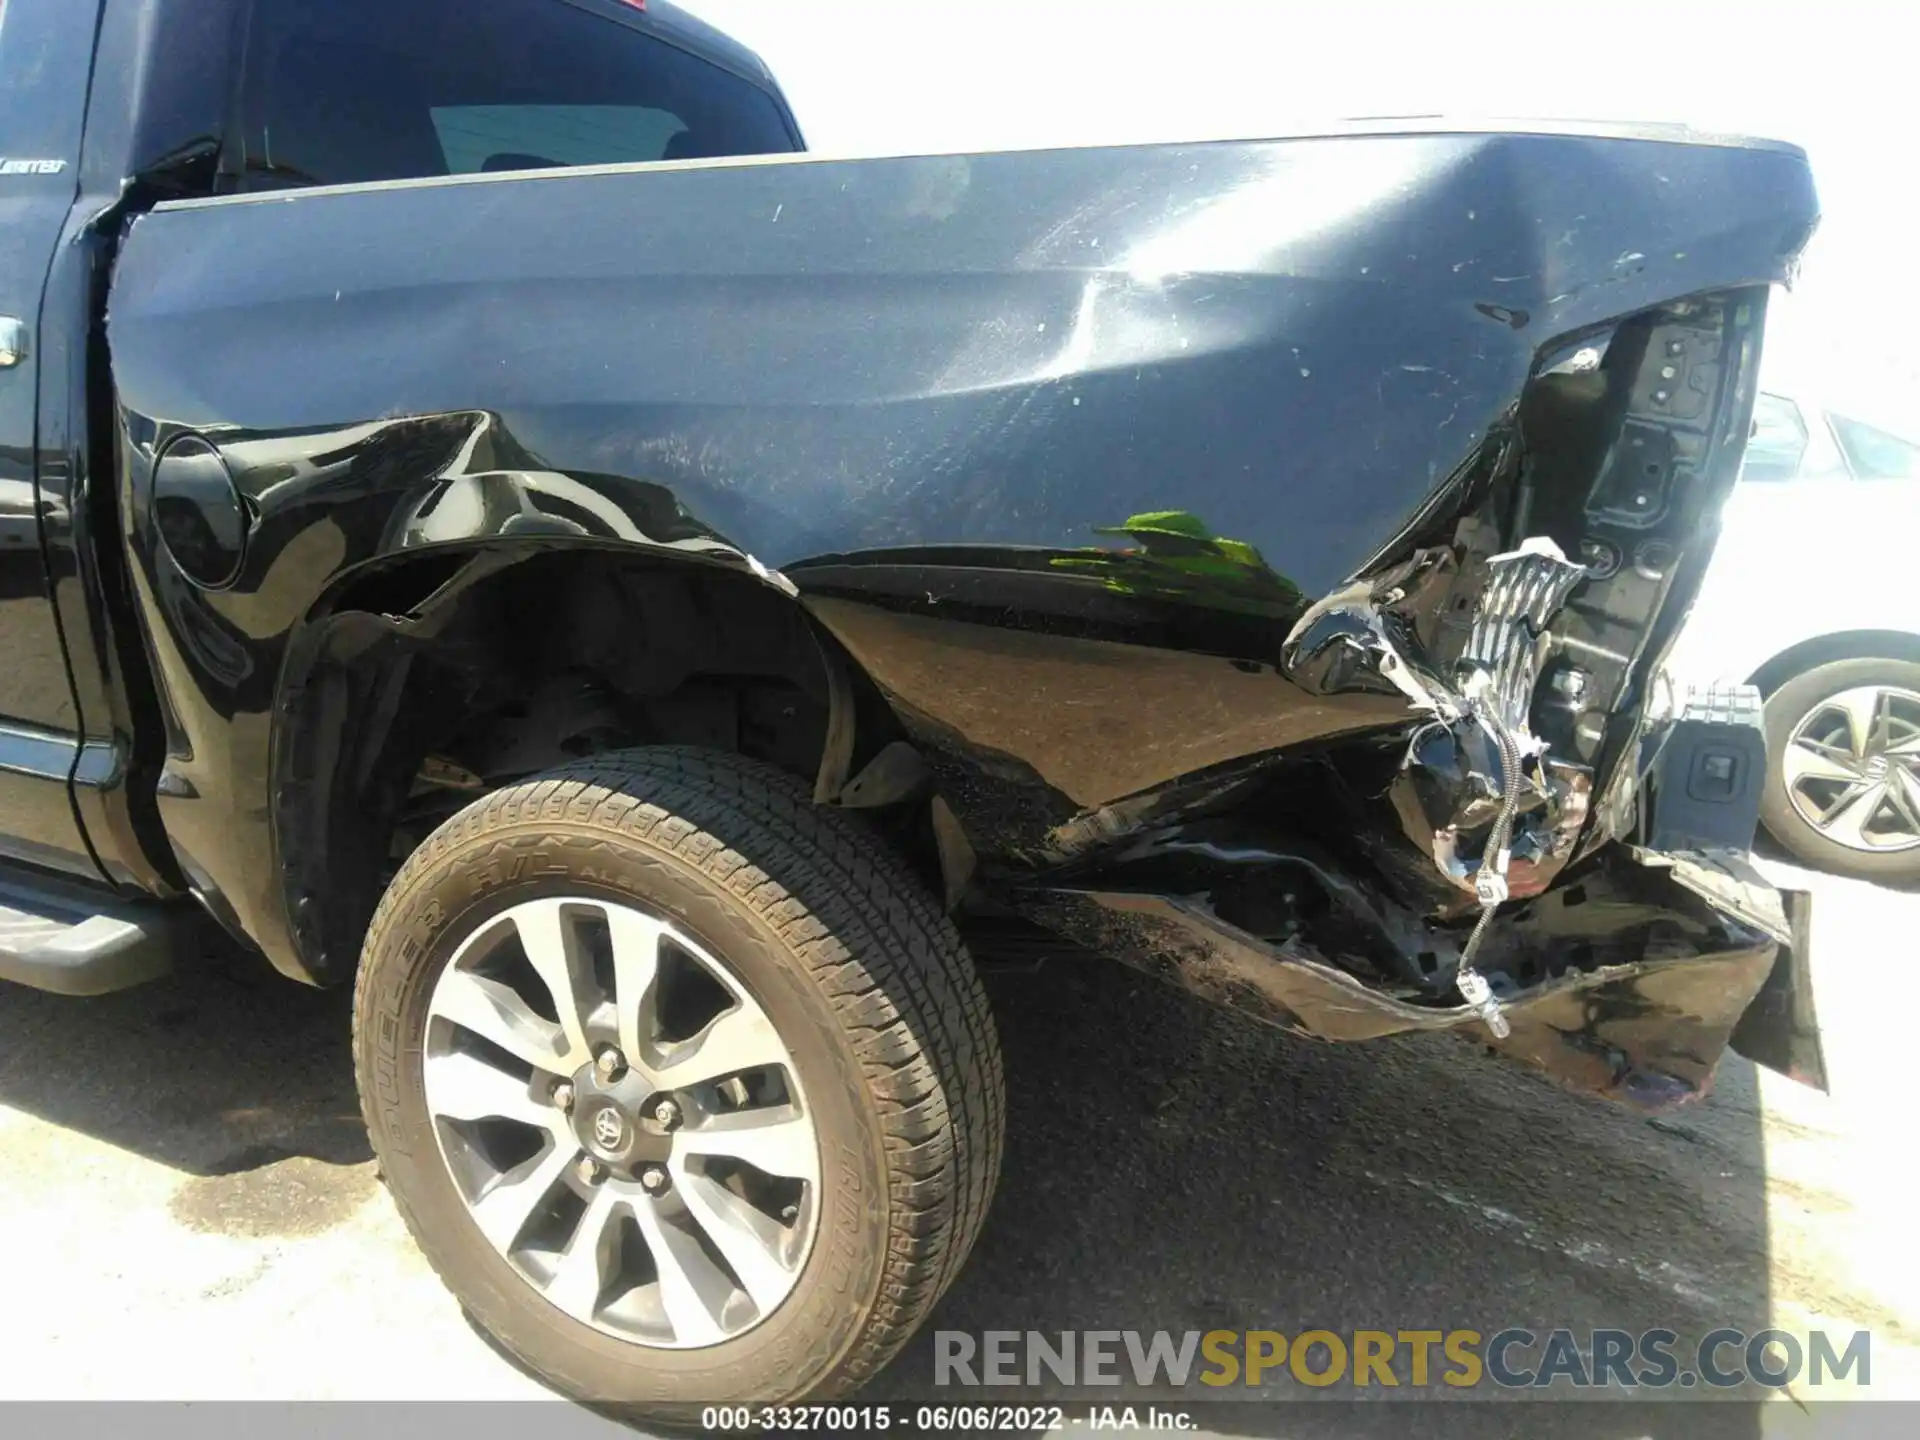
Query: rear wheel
point(683, 1085)
point(1843, 783)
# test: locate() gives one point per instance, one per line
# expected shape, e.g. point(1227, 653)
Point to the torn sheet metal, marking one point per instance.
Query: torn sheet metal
point(1639, 983)
point(1524, 591)
point(1458, 784)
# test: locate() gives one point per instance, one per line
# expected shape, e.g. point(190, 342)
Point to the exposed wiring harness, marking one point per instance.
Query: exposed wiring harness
point(1490, 881)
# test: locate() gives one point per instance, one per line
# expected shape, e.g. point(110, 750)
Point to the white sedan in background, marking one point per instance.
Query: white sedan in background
point(1814, 596)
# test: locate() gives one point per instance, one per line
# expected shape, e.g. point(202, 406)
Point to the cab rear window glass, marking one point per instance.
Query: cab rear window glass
point(349, 92)
point(477, 138)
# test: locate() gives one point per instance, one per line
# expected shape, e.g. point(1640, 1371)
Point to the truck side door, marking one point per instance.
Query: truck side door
point(46, 52)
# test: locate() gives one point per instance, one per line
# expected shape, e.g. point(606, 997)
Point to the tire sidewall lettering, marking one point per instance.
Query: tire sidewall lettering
point(482, 874)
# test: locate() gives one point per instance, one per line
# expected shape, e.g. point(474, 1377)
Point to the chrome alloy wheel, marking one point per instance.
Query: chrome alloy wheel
point(623, 1122)
point(1852, 768)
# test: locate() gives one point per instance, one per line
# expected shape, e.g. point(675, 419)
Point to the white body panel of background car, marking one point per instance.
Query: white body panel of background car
point(1821, 554)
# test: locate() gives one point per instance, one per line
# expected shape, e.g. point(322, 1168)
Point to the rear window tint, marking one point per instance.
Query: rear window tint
point(476, 137)
point(348, 92)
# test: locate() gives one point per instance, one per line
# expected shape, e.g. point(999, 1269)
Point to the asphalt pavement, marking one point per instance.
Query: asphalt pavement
point(189, 1200)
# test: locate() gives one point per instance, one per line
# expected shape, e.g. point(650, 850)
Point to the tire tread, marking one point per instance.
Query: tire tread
point(846, 908)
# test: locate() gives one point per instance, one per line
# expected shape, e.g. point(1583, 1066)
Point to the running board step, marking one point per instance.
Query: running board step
point(72, 940)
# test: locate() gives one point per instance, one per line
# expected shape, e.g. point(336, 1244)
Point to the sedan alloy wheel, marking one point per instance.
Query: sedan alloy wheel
point(1852, 768)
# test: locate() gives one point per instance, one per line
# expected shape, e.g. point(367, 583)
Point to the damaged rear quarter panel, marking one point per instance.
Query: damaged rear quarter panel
point(1059, 445)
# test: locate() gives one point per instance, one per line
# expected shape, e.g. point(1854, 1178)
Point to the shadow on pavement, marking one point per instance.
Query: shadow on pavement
point(1172, 1167)
point(215, 1070)
point(1168, 1167)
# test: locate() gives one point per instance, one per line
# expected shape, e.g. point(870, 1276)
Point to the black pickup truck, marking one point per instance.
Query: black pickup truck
point(639, 613)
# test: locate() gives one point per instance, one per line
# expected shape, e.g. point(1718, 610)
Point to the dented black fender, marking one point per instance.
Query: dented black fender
point(1059, 446)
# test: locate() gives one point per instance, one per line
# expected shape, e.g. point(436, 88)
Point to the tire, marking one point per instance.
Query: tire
point(883, 1020)
point(1807, 699)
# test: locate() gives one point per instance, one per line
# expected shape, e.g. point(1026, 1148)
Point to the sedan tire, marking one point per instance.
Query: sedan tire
point(683, 1084)
point(1843, 773)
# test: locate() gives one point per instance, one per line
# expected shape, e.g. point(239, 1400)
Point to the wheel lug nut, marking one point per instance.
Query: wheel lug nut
point(563, 1096)
point(667, 1114)
point(654, 1179)
point(590, 1170)
point(610, 1064)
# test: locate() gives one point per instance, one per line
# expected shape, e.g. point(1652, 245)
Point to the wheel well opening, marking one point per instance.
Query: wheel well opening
point(429, 683)
point(1825, 649)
